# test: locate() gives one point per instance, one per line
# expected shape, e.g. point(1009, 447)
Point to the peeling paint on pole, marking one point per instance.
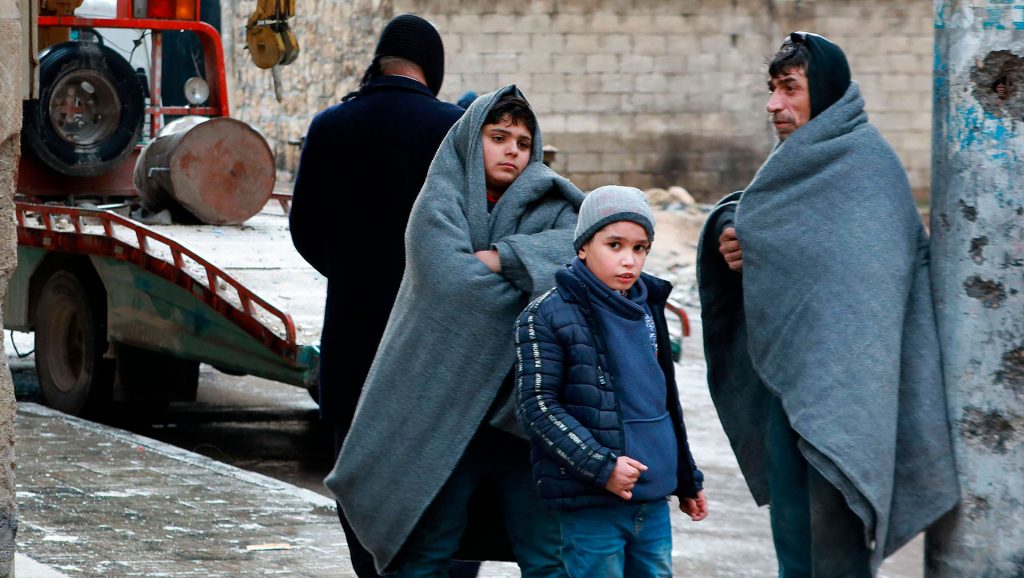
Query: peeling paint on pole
point(978, 277)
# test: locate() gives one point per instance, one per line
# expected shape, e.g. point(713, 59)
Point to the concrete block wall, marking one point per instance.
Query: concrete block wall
point(640, 92)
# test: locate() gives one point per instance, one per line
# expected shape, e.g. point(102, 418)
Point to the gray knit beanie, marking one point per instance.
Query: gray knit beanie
point(608, 204)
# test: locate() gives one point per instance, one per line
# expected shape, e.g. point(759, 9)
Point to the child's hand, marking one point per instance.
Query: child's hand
point(695, 508)
point(491, 259)
point(624, 476)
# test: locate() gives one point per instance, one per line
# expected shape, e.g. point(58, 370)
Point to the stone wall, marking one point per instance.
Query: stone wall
point(641, 92)
point(10, 124)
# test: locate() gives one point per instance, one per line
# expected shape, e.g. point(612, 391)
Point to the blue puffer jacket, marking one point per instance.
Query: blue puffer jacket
point(568, 404)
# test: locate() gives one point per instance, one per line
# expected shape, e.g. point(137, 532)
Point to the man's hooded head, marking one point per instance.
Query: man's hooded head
point(824, 63)
point(414, 39)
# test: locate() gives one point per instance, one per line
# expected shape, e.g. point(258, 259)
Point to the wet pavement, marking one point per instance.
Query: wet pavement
point(96, 501)
point(100, 501)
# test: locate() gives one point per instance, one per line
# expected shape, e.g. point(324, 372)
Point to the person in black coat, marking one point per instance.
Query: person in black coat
point(362, 165)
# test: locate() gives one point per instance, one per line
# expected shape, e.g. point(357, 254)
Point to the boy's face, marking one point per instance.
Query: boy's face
point(616, 254)
point(506, 153)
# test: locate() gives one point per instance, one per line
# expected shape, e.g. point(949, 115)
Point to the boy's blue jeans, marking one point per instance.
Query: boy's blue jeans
point(633, 540)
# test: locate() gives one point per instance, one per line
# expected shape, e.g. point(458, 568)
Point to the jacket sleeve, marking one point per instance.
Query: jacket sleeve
point(307, 219)
point(539, 382)
point(691, 478)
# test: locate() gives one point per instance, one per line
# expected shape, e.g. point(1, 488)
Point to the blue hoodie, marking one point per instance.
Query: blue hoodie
point(629, 331)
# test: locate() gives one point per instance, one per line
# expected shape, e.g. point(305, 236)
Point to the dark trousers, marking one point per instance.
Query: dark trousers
point(503, 462)
point(362, 560)
point(816, 534)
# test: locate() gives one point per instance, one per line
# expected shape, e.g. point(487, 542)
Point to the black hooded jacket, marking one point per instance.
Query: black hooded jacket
point(362, 165)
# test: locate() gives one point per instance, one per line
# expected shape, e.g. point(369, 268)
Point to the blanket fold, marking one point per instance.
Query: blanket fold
point(446, 349)
point(833, 314)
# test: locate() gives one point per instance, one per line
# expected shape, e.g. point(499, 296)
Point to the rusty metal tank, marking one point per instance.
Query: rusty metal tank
point(216, 170)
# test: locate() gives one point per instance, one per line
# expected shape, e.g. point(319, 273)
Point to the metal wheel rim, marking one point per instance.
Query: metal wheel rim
point(84, 108)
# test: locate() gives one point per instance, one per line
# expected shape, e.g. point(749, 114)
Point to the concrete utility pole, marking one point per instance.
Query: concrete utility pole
point(978, 277)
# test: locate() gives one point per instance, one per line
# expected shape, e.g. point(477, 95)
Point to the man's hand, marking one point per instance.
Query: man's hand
point(491, 259)
point(729, 247)
point(627, 471)
point(695, 508)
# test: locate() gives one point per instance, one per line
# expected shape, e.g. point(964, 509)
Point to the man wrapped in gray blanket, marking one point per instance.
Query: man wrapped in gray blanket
point(823, 356)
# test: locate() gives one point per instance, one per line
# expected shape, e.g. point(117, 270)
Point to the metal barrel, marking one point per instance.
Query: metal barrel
point(218, 170)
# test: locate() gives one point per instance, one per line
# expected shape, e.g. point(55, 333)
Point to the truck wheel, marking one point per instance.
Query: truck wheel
point(89, 114)
point(70, 342)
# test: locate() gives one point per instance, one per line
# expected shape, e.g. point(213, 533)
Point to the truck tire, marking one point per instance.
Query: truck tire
point(90, 110)
point(70, 343)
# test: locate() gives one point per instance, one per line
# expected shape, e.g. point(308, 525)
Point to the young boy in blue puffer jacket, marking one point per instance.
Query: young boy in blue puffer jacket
point(596, 392)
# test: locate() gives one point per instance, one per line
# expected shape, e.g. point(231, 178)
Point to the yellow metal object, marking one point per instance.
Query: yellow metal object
point(265, 46)
point(268, 36)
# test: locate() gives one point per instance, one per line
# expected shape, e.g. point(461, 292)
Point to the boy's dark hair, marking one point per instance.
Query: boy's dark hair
point(516, 109)
point(792, 55)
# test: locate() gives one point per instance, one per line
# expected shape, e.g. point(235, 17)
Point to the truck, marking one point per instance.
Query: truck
point(124, 311)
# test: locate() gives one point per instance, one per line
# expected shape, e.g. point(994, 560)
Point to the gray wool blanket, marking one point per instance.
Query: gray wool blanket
point(446, 349)
point(833, 314)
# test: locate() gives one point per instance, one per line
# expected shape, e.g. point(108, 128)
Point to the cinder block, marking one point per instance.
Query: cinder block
point(462, 23)
point(548, 82)
point(651, 83)
point(481, 82)
point(650, 44)
point(617, 83)
point(570, 63)
point(670, 24)
point(602, 103)
point(569, 23)
point(617, 43)
point(637, 24)
point(602, 63)
point(715, 43)
point(479, 43)
point(494, 23)
point(903, 63)
point(554, 123)
point(568, 103)
point(583, 43)
point(701, 64)
point(639, 180)
point(618, 162)
point(651, 123)
point(533, 23)
point(542, 103)
point(892, 43)
point(464, 62)
point(500, 64)
point(512, 42)
point(575, 82)
point(548, 43)
point(637, 63)
point(530, 62)
point(583, 163)
point(604, 21)
point(670, 64)
point(582, 123)
point(546, 7)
